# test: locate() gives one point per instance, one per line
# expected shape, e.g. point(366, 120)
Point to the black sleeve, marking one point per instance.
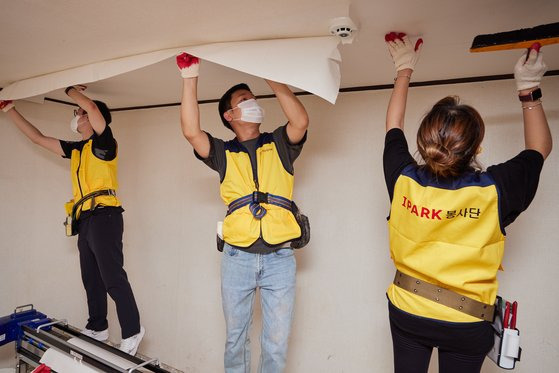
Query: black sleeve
point(216, 160)
point(68, 146)
point(396, 156)
point(517, 181)
point(104, 145)
point(288, 152)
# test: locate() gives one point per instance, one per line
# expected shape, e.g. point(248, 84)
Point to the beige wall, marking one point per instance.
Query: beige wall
point(172, 205)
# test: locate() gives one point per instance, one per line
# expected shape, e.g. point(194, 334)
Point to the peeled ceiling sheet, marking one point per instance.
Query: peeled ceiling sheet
point(310, 64)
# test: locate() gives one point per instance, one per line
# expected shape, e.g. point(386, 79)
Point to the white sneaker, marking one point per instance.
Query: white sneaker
point(130, 344)
point(102, 335)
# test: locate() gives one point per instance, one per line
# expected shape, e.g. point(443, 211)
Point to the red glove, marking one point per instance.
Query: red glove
point(6, 105)
point(188, 65)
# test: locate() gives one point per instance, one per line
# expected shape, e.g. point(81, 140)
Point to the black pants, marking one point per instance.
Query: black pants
point(462, 346)
point(101, 263)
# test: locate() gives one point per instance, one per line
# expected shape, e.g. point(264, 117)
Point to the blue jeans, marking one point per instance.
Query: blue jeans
point(241, 274)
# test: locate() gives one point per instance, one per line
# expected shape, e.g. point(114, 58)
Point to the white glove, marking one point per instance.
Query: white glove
point(6, 105)
point(403, 53)
point(188, 65)
point(528, 73)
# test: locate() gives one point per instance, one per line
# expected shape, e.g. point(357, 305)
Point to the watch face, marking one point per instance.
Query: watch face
point(537, 94)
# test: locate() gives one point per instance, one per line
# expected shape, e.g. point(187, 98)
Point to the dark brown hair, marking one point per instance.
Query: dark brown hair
point(449, 137)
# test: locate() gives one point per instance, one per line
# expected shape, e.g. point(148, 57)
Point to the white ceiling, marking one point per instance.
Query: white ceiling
point(40, 37)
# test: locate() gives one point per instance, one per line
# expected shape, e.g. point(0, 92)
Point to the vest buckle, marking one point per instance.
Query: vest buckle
point(259, 197)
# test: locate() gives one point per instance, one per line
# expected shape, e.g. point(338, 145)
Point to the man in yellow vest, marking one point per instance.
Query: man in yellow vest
point(256, 175)
point(98, 212)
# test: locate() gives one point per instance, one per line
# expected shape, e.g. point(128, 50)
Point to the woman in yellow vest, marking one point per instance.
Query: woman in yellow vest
point(447, 218)
point(93, 167)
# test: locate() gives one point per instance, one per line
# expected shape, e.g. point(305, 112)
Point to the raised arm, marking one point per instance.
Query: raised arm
point(29, 130)
point(405, 56)
point(528, 73)
point(190, 114)
point(94, 115)
point(293, 110)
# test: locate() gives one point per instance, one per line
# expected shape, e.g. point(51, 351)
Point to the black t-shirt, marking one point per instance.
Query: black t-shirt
point(287, 151)
point(103, 146)
point(516, 179)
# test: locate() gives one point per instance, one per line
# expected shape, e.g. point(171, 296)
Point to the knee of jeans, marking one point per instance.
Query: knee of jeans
point(277, 334)
point(278, 339)
point(274, 351)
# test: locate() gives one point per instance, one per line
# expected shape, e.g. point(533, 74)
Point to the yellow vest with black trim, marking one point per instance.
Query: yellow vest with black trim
point(447, 234)
point(241, 228)
point(90, 174)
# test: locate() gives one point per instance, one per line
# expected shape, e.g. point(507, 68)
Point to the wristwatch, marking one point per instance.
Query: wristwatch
point(535, 95)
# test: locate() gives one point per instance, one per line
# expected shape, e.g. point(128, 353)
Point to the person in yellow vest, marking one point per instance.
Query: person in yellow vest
point(448, 217)
point(256, 175)
point(93, 167)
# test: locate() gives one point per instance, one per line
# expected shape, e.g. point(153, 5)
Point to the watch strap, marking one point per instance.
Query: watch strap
point(535, 95)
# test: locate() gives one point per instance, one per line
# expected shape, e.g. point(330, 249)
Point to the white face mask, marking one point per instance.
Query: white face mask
point(74, 123)
point(250, 111)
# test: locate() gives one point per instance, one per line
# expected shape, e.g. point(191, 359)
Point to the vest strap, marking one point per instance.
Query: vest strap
point(444, 296)
point(255, 199)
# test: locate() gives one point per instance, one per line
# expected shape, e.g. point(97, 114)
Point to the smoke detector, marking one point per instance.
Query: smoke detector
point(344, 28)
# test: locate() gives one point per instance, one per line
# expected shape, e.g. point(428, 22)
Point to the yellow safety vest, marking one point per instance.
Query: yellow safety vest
point(241, 228)
point(90, 174)
point(447, 234)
